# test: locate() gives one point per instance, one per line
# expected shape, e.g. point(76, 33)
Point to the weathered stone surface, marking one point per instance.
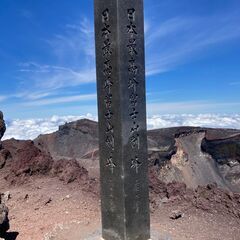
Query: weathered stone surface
point(122, 119)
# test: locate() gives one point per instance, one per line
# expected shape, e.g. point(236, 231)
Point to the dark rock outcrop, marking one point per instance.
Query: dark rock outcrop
point(226, 152)
point(2, 126)
point(223, 149)
point(4, 154)
point(26, 159)
point(4, 221)
point(196, 156)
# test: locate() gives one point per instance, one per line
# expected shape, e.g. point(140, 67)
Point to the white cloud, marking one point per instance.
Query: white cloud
point(179, 40)
point(2, 98)
point(31, 128)
point(74, 57)
point(67, 99)
point(50, 78)
point(200, 120)
point(76, 41)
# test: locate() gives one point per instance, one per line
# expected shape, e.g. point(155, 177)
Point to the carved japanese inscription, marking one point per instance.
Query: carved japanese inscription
point(119, 38)
point(134, 139)
point(108, 85)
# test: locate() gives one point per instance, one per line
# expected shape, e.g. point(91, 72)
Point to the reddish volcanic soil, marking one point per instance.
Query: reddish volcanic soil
point(47, 209)
point(43, 205)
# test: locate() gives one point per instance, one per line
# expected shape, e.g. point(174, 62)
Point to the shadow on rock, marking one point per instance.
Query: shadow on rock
point(9, 236)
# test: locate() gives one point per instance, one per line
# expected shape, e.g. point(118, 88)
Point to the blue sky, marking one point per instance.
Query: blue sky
point(48, 67)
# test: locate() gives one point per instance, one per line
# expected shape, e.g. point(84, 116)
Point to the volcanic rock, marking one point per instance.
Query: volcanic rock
point(69, 170)
point(226, 152)
point(72, 140)
point(4, 221)
point(2, 126)
point(4, 155)
point(26, 159)
point(176, 214)
point(196, 156)
point(182, 154)
point(190, 155)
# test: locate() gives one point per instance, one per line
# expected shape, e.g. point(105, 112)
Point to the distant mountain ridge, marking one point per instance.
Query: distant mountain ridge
point(72, 140)
point(193, 155)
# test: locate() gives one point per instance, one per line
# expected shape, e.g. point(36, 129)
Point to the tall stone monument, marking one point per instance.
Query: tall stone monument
point(122, 119)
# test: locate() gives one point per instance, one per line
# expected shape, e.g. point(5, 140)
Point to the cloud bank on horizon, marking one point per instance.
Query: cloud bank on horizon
point(47, 57)
point(31, 128)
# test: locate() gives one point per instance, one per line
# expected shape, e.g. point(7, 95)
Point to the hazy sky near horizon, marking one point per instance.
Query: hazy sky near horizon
point(47, 57)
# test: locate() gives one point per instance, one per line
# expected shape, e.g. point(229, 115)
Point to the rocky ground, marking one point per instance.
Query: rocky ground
point(47, 209)
point(51, 185)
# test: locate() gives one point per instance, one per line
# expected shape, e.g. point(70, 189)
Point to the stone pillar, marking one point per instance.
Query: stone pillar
point(119, 33)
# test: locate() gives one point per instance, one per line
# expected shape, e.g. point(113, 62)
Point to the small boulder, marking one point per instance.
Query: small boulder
point(176, 215)
point(5, 197)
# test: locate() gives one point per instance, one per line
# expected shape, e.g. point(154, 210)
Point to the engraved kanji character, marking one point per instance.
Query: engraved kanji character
point(134, 114)
point(105, 30)
point(108, 114)
point(107, 71)
point(108, 84)
point(135, 127)
point(109, 127)
point(133, 99)
point(132, 67)
point(110, 141)
point(108, 100)
point(131, 14)
point(132, 47)
point(132, 83)
point(131, 28)
point(110, 164)
point(136, 164)
point(135, 140)
point(107, 50)
point(105, 15)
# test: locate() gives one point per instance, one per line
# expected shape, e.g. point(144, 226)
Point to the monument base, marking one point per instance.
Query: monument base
point(155, 235)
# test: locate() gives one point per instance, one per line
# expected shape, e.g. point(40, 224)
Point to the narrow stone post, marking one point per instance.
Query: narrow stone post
point(119, 34)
